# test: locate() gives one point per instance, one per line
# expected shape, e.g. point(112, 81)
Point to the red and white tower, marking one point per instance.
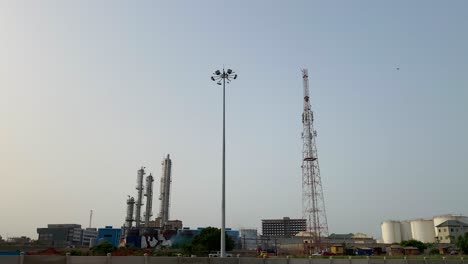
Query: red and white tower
point(313, 204)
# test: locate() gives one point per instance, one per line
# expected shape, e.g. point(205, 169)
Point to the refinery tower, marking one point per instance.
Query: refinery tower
point(134, 206)
point(165, 191)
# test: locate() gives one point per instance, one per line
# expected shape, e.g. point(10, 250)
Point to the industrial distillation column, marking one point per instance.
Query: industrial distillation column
point(313, 204)
point(149, 199)
point(139, 201)
point(129, 218)
point(165, 191)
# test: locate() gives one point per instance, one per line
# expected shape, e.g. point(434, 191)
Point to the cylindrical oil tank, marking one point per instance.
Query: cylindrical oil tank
point(442, 218)
point(391, 232)
point(405, 227)
point(423, 230)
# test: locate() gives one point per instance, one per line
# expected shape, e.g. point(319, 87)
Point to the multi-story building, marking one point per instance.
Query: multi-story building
point(285, 227)
point(89, 234)
point(60, 235)
point(450, 230)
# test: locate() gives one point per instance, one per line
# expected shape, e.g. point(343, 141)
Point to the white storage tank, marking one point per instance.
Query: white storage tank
point(391, 232)
point(406, 230)
point(442, 218)
point(423, 230)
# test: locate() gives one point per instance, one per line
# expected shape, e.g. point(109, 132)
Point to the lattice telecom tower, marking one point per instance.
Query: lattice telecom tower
point(313, 204)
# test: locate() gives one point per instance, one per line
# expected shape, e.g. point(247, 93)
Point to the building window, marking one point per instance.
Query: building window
point(439, 230)
point(451, 229)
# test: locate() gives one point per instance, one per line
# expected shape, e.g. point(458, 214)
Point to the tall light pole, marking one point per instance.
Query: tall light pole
point(217, 77)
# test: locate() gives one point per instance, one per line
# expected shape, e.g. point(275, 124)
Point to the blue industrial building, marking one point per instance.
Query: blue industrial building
point(109, 234)
point(234, 234)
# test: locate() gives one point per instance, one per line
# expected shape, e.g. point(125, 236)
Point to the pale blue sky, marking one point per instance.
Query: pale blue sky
point(92, 90)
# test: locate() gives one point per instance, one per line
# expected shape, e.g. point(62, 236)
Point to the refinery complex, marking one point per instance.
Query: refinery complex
point(284, 235)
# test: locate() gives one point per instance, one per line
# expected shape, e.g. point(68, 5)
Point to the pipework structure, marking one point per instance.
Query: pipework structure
point(313, 203)
point(149, 199)
point(165, 190)
point(139, 201)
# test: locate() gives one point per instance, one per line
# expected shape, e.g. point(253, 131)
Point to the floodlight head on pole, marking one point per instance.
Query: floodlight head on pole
point(228, 76)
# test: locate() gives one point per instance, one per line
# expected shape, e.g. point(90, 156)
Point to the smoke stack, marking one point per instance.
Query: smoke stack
point(165, 190)
point(149, 199)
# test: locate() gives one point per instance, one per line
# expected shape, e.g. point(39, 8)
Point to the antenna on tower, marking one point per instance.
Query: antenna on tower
point(313, 204)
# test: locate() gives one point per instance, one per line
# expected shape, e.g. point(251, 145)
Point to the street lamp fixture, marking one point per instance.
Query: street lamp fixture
point(221, 78)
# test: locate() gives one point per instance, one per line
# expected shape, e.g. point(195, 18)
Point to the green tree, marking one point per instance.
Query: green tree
point(209, 240)
point(103, 248)
point(414, 243)
point(76, 252)
point(462, 243)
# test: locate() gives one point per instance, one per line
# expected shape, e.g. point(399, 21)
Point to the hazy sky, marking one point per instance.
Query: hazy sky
point(92, 90)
